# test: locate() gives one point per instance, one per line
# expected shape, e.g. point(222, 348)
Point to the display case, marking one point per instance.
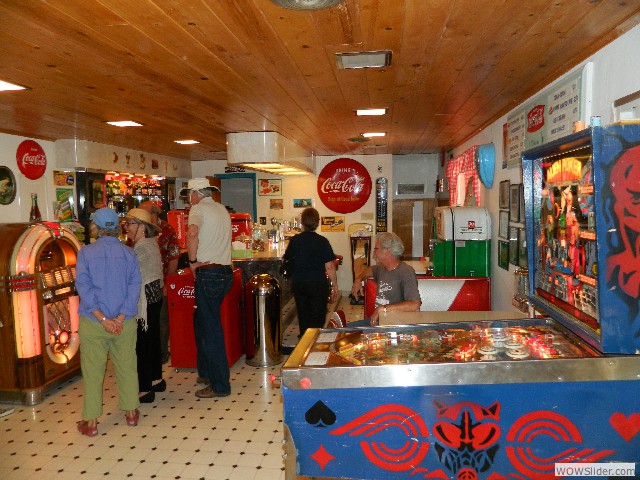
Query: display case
point(497, 400)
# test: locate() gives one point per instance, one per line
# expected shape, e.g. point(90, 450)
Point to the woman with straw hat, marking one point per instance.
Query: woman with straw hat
point(140, 230)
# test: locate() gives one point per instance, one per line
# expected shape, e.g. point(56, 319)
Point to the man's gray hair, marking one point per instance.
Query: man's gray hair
point(203, 192)
point(391, 241)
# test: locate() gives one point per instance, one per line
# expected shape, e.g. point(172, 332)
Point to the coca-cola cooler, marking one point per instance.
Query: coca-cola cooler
point(39, 342)
point(179, 220)
point(180, 294)
point(240, 225)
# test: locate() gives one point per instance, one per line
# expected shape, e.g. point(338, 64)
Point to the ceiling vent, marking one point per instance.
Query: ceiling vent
point(373, 59)
point(268, 152)
point(306, 4)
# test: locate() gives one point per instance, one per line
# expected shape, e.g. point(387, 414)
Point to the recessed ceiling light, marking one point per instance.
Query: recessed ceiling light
point(373, 59)
point(374, 134)
point(306, 4)
point(186, 142)
point(125, 123)
point(371, 111)
point(6, 86)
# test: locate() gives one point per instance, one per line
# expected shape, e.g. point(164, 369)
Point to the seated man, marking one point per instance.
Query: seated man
point(397, 283)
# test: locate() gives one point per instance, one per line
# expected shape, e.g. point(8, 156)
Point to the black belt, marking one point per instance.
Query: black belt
point(210, 265)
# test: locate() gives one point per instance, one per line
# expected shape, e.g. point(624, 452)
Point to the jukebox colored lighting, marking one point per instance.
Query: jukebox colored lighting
point(27, 329)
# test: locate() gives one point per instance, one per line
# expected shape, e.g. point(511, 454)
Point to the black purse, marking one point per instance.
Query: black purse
point(286, 269)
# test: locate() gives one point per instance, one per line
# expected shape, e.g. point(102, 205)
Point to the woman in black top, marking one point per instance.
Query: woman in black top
point(313, 260)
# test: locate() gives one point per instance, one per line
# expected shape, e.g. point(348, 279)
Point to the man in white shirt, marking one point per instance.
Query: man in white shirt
point(209, 250)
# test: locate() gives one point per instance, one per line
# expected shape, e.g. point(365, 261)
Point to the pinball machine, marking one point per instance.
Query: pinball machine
point(39, 342)
point(492, 400)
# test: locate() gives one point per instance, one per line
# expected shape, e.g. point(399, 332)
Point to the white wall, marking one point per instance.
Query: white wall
point(18, 210)
point(616, 74)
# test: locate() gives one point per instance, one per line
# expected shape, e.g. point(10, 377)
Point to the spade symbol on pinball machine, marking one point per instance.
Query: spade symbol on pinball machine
point(320, 415)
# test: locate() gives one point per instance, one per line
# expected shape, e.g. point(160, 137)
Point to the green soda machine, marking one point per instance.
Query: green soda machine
point(463, 242)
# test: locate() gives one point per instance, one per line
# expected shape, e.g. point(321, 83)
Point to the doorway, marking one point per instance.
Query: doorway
point(413, 223)
point(239, 192)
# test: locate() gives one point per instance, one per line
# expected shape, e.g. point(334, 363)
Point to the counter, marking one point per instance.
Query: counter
point(414, 318)
point(268, 262)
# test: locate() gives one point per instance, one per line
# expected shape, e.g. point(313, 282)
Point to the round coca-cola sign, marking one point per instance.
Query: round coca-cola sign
point(31, 159)
point(344, 185)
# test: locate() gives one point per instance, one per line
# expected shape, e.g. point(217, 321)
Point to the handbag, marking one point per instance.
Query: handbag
point(286, 269)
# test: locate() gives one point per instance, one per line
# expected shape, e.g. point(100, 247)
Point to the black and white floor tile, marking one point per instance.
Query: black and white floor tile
point(179, 436)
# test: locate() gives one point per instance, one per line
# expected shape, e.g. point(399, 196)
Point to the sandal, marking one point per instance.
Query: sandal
point(85, 429)
point(132, 421)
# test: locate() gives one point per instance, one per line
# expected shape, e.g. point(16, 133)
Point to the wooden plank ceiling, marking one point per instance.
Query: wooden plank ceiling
point(199, 69)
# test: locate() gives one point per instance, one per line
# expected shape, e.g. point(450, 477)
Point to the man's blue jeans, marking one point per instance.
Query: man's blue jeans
point(211, 285)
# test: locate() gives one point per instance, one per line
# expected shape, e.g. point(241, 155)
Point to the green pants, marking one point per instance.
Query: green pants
point(95, 344)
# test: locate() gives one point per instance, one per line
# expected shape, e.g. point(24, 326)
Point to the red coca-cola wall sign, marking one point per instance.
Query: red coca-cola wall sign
point(344, 185)
point(31, 159)
point(535, 118)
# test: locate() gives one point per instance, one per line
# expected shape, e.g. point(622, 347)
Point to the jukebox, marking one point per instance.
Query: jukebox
point(39, 340)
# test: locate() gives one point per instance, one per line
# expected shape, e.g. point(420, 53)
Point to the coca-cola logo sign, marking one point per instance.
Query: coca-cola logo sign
point(31, 159)
point(535, 119)
point(186, 292)
point(344, 185)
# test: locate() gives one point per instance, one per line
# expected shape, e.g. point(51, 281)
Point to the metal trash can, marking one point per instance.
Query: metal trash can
point(263, 331)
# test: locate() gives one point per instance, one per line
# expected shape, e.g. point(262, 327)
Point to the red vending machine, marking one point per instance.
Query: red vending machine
point(179, 220)
point(181, 306)
point(39, 342)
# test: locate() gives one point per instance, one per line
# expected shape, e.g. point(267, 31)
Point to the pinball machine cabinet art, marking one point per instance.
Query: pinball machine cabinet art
point(39, 342)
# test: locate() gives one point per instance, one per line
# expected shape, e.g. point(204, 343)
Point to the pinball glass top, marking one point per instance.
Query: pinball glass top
point(447, 343)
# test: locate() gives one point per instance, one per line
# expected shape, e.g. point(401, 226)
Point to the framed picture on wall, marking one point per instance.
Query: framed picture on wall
point(522, 248)
point(270, 186)
point(302, 202)
point(513, 245)
point(503, 254)
point(503, 201)
point(514, 202)
point(503, 225)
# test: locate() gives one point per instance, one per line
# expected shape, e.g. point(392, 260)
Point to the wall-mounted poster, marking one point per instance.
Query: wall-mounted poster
point(7, 186)
point(503, 254)
point(270, 186)
point(503, 201)
point(514, 203)
point(516, 124)
point(63, 178)
point(522, 249)
point(276, 204)
point(551, 114)
point(503, 224)
point(302, 202)
point(514, 242)
point(63, 206)
point(332, 224)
